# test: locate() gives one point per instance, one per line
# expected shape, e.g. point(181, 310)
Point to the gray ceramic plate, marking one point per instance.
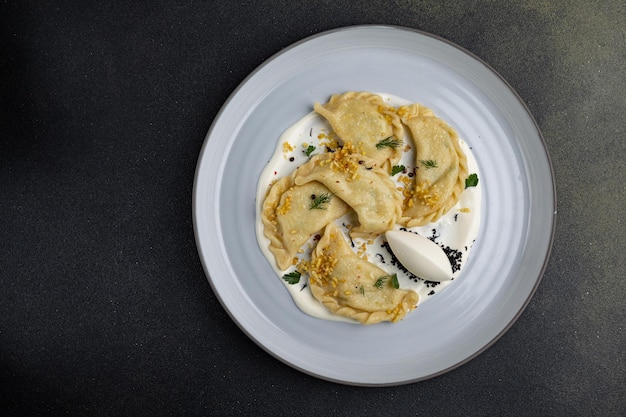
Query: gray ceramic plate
point(517, 224)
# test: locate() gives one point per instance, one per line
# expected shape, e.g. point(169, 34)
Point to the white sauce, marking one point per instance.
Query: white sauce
point(455, 231)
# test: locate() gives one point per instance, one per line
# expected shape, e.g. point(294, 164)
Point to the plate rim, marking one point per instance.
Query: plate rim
point(335, 31)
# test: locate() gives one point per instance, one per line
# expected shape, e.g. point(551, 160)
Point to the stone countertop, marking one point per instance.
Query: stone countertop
point(105, 308)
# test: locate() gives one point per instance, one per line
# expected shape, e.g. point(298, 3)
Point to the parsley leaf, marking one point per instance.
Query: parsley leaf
point(396, 169)
point(471, 181)
point(394, 281)
point(292, 277)
point(309, 150)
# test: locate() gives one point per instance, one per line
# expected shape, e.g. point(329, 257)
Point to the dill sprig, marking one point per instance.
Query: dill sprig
point(388, 142)
point(382, 280)
point(428, 163)
point(319, 202)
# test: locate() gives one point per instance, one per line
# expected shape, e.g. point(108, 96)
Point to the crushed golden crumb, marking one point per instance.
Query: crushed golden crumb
point(402, 111)
point(322, 267)
point(285, 206)
point(424, 192)
point(342, 161)
point(413, 192)
point(361, 252)
point(287, 147)
point(329, 141)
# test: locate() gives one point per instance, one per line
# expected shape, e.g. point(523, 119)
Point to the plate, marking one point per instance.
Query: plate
point(517, 221)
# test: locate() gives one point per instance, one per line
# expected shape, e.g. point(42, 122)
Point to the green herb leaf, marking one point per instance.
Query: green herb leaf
point(292, 277)
point(388, 142)
point(362, 290)
point(380, 282)
point(394, 281)
point(319, 202)
point(428, 163)
point(396, 169)
point(471, 181)
point(309, 150)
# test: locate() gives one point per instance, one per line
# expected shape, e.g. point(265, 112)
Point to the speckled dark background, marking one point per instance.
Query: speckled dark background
point(104, 307)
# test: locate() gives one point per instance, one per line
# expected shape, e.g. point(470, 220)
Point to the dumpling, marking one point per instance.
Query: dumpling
point(368, 123)
point(353, 287)
point(356, 180)
point(441, 167)
point(289, 219)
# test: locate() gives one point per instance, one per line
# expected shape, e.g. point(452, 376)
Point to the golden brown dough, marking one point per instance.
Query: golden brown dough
point(441, 167)
point(288, 219)
point(365, 187)
point(353, 287)
point(365, 121)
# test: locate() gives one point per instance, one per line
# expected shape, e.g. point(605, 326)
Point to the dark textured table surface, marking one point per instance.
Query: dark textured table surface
point(104, 306)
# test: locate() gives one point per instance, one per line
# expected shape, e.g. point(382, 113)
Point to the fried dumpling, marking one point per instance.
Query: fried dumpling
point(441, 167)
point(352, 287)
point(289, 219)
point(361, 184)
point(368, 123)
